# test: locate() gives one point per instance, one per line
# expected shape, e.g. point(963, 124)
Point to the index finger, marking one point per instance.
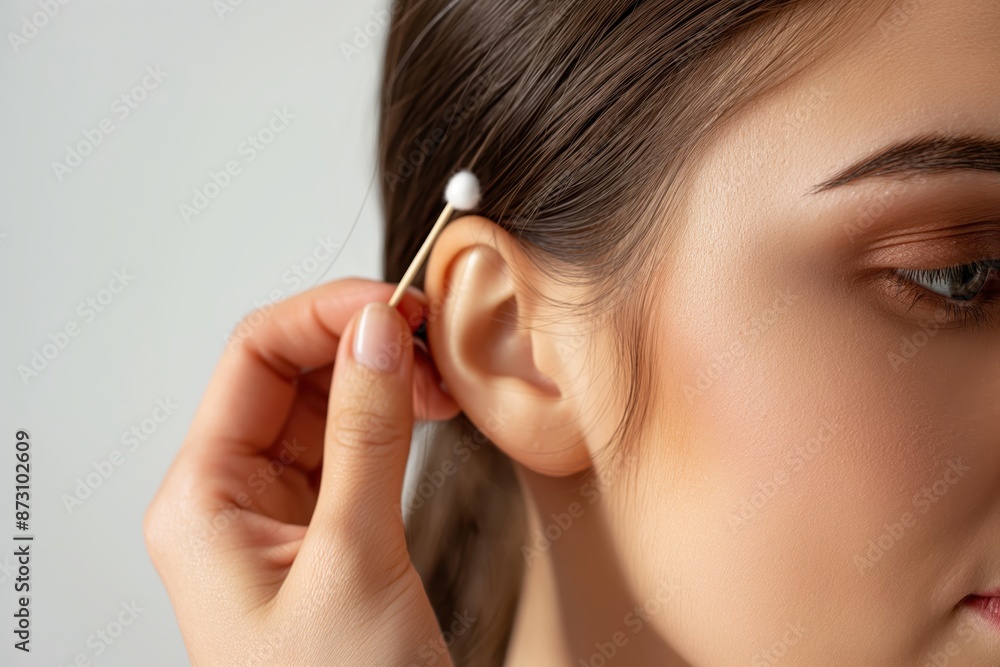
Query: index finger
point(253, 387)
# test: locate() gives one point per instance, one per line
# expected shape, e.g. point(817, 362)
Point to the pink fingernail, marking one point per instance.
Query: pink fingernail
point(377, 339)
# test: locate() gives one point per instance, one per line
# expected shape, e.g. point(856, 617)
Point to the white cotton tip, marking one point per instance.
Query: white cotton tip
point(462, 191)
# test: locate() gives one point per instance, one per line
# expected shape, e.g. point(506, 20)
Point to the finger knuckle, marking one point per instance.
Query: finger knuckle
point(250, 323)
point(155, 529)
point(365, 427)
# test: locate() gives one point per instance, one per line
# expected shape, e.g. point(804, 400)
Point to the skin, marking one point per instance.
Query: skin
point(811, 500)
point(277, 530)
point(824, 440)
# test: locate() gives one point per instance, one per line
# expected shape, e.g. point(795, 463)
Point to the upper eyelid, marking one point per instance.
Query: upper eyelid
point(993, 263)
point(982, 230)
point(931, 250)
point(914, 277)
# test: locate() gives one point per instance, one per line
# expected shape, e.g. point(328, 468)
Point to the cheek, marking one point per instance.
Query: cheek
point(808, 481)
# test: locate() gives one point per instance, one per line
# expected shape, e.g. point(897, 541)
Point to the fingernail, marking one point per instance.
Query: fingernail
point(377, 339)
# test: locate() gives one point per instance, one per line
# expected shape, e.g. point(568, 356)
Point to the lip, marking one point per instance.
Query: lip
point(987, 605)
point(995, 593)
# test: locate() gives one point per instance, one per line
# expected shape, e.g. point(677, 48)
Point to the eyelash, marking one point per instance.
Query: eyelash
point(977, 311)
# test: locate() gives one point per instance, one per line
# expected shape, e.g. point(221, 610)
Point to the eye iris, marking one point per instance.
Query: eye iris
point(961, 283)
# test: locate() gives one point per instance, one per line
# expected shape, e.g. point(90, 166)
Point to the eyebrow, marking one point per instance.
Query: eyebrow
point(929, 154)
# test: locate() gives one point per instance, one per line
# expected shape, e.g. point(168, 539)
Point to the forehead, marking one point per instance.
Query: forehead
point(924, 67)
point(927, 65)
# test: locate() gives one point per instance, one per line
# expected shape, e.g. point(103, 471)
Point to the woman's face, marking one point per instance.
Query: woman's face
point(822, 474)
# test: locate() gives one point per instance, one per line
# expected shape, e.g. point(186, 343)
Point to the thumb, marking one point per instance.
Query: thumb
point(368, 431)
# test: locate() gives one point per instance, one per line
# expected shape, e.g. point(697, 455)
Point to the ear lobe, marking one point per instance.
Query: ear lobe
point(484, 338)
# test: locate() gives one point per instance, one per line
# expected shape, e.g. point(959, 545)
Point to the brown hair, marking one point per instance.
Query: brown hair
point(578, 118)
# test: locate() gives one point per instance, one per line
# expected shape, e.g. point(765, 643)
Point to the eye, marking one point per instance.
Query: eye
point(959, 283)
point(957, 295)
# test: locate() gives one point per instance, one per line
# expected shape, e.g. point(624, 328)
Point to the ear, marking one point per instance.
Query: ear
point(499, 356)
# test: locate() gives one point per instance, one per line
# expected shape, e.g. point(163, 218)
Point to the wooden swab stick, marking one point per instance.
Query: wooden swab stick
point(461, 194)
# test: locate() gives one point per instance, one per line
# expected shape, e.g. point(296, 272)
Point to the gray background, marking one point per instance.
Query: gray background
point(158, 338)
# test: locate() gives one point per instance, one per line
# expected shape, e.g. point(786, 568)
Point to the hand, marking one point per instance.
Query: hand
point(277, 530)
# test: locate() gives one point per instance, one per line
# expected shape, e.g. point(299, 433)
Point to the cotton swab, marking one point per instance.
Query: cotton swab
point(461, 194)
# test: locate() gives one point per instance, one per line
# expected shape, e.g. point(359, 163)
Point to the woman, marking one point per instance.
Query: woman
point(719, 353)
